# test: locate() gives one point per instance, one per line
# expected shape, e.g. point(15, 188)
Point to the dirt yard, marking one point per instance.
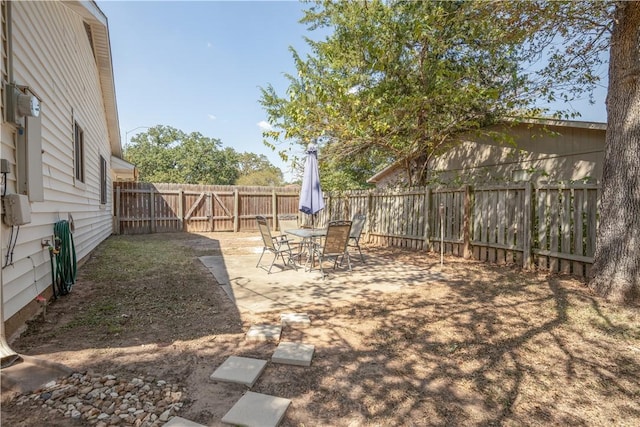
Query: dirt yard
point(494, 347)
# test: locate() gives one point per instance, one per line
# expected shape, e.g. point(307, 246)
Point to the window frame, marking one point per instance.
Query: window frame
point(78, 153)
point(103, 181)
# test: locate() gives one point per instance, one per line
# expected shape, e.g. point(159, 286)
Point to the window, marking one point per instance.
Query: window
point(103, 180)
point(78, 147)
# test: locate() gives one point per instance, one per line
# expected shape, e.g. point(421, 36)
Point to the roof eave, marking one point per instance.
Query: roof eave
point(93, 16)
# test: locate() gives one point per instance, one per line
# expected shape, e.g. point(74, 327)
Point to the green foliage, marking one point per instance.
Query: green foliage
point(346, 174)
point(166, 154)
point(397, 78)
point(266, 177)
point(257, 170)
point(402, 80)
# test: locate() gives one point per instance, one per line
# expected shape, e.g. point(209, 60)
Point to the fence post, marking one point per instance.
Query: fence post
point(236, 210)
point(117, 227)
point(466, 223)
point(369, 214)
point(181, 208)
point(427, 219)
point(528, 227)
point(210, 208)
point(152, 202)
point(274, 208)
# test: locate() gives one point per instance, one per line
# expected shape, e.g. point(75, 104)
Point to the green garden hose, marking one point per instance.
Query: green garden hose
point(65, 253)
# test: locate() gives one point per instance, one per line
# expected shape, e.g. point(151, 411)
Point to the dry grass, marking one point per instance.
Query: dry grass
point(493, 347)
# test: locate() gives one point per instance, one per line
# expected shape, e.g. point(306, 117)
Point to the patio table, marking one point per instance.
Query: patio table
point(308, 236)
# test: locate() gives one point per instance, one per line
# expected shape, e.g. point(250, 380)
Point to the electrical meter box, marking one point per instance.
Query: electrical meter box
point(16, 209)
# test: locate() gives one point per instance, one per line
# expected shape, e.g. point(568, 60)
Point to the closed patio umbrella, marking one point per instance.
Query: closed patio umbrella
point(311, 201)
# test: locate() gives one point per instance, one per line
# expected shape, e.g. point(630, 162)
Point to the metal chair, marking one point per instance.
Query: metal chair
point(278, 246)
point(356, 231)
point(289, 222)
point(335, 244)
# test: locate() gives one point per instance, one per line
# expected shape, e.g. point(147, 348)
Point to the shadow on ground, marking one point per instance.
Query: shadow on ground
point(466, 344)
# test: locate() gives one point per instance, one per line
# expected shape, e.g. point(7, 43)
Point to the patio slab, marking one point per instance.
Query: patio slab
point(255, 291)
point(264, 332)
point(257, 410)
point(300, 320)
point(239, 370)
point(293, 353)
point(181, 422)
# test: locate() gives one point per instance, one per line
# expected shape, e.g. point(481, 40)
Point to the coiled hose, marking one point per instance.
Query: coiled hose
point(64, 274)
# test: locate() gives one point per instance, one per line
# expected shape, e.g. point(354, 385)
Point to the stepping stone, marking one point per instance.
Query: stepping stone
point(181, 422)
point(239, 370)
point(293, 353)
point(264, 332)
point(295, 319)
point(257, 410)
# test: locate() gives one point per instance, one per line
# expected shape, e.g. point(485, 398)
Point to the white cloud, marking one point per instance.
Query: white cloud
point(209, 45)
point(211, 117)
point(264, 125)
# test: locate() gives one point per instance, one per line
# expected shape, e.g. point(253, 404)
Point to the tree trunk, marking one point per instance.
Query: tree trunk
point(616, 269)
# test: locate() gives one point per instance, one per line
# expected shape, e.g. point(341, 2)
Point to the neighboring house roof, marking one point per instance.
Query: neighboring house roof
point(392, 168)
point(99, 27)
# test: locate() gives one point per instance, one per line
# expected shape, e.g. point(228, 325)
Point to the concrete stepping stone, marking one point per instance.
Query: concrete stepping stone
point(257, 410)
point(293, 353)
point(239, 370)
point(182, 422)
point(264, 332)
point(300, 320)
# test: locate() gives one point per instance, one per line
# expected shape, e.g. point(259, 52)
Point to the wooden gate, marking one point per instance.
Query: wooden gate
point(141, 208)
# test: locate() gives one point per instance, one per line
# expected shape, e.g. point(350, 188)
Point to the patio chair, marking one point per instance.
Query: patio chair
point(356, 231)
point(335, 245)
point(278, 246)
point(289, 222)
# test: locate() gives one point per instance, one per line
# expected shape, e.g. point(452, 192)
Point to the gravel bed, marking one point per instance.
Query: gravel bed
point(108, 401)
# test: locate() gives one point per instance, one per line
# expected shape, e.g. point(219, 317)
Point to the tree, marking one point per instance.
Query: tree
point(154, 154)
point(588, 29)
point(398, 81)
point(256, 169)
point(616, 270)
point(166, 154)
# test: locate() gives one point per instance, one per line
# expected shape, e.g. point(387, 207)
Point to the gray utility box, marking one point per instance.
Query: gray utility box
point(16, 209)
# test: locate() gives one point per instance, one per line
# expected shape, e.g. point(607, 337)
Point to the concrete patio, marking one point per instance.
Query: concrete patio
point(255, 291)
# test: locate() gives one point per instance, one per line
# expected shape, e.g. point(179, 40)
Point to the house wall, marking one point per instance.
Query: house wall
point(53, 56)
point(571, 151)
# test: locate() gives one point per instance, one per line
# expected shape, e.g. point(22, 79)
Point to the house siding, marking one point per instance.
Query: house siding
point(572, 151)
point(53, 56)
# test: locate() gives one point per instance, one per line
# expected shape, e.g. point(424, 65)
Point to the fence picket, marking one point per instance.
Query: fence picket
point(493, 223)
point(541, 199)
point(565, 230)
point(554, 215)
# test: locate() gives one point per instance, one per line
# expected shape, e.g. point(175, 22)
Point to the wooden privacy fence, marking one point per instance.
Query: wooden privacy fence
point(141, 208)
point(552, 227)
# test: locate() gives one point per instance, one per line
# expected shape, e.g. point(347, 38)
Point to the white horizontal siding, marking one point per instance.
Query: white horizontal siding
point(52, 55)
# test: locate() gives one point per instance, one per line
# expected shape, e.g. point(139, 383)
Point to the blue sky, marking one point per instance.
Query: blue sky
point(198, 65)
